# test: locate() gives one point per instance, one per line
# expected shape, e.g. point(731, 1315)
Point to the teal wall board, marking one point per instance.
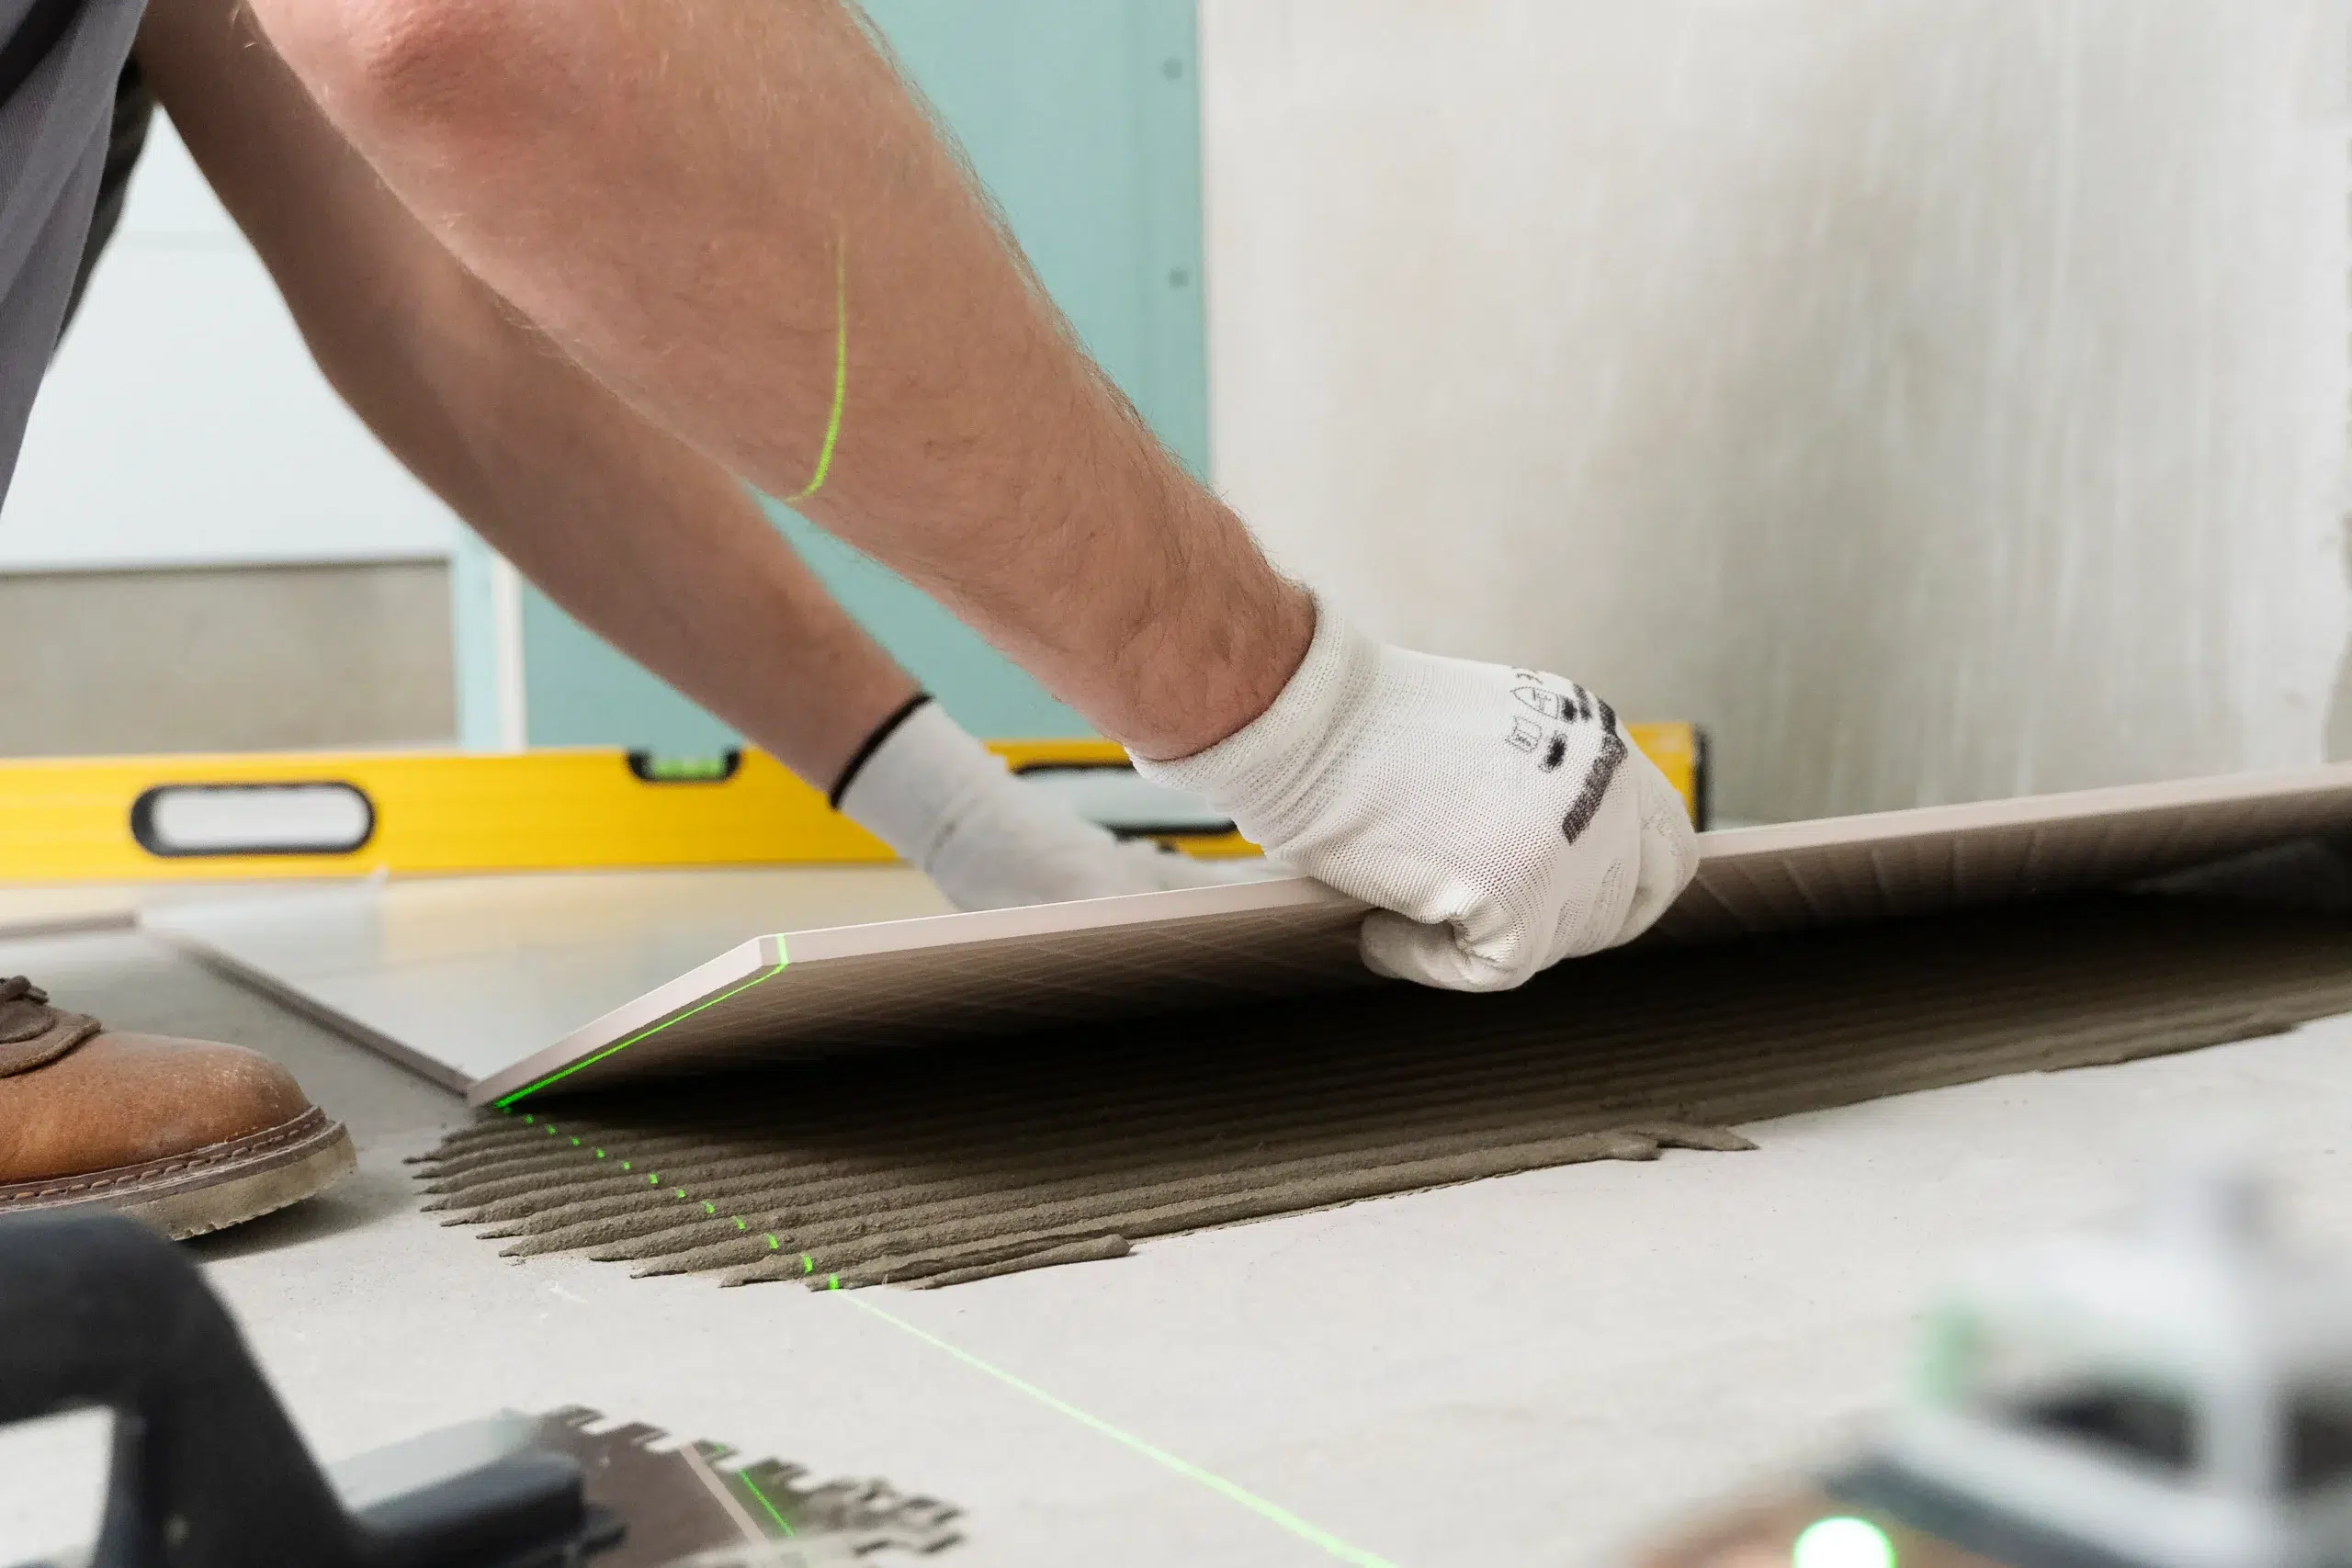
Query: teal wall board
point(987, 693)
point(1082, 117)
point(475, 656)
point(580, 690)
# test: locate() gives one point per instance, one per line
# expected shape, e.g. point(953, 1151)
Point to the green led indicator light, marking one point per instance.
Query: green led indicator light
point(1842, 1542)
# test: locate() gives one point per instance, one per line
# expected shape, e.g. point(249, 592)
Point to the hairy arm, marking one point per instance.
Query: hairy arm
point(649, 542)
point(673, 191)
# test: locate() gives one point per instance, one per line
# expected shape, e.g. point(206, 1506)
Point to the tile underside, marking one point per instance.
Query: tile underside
point(932, 1167)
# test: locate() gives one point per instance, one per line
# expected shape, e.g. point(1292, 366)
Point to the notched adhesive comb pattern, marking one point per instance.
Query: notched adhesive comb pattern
point(702, 1503)
point(930, 1167)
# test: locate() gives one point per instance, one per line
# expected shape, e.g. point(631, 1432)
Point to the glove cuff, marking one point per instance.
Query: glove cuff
point(917, 781)
point(1257, 772)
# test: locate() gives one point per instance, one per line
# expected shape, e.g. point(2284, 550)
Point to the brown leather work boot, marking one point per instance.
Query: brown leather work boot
point(181, 1134)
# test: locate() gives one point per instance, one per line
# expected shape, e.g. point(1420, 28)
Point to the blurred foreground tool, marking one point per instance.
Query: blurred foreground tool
point(208, 1473)
point(259, 815)
point(2177, 1394)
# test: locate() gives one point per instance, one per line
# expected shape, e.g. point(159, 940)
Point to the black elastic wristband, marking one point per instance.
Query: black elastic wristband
point(864, 753)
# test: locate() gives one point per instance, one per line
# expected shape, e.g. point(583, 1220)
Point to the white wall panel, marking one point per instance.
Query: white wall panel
point(1938, 400)
point(183, 423)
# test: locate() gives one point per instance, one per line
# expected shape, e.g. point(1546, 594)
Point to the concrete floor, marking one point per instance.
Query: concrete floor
point(1537, 1371)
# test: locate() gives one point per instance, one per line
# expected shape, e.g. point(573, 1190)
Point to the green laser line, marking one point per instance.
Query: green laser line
point(781, 960)
point(752, 1487)
point(841, 370)
point(1270, 1512)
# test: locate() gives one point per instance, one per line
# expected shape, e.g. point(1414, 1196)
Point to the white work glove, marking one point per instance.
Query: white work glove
point(949, 805)
point(1498, 817)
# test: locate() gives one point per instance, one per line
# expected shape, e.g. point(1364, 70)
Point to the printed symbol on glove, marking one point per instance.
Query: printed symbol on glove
point(1596, 780)
point(1526, 735)
point(1555, 754)
point(1567, 707)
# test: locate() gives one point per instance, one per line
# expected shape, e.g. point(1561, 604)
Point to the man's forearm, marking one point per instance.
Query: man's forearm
point(675, 192)
point(647, 541)
point(642, 538)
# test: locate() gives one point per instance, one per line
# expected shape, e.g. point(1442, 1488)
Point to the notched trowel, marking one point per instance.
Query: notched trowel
point(208, 1473)
point(678, 1502)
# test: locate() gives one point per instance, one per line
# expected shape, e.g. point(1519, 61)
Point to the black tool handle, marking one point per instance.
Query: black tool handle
point(208, 1473)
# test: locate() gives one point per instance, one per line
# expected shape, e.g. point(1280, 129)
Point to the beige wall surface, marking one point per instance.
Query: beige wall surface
point(226, 659)
point(1937, 399)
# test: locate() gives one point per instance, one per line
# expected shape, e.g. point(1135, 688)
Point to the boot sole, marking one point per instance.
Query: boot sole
point(206, 1188)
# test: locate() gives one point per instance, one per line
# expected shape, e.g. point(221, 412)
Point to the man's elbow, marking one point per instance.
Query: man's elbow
point(390, 67)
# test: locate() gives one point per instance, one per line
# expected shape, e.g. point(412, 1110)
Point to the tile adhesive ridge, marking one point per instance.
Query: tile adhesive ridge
point(932, 1167)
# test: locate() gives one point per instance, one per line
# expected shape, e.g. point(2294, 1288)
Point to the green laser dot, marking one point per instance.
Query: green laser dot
point(1842, 1542)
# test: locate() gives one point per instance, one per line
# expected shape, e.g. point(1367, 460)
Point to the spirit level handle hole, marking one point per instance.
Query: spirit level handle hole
point(178, 821)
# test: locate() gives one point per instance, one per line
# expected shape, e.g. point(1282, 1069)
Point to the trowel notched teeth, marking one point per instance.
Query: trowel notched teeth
point(828, 1522)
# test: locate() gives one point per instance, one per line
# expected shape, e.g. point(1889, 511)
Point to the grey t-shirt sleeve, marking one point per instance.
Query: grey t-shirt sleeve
point(134, 111)
point(55, 129)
